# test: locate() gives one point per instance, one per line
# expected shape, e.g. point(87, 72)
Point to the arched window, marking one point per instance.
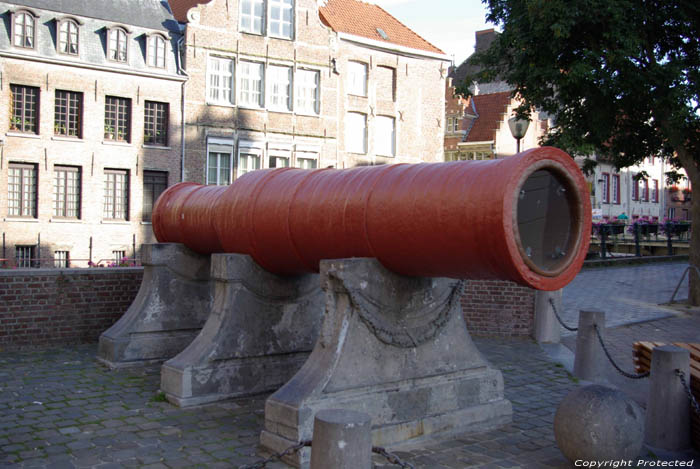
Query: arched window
point(68, 37)
point(156, 51)
point(23, 30)
point(117, 48)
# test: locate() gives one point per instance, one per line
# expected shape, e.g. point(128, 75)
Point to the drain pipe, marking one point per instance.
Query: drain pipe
point(183, 94)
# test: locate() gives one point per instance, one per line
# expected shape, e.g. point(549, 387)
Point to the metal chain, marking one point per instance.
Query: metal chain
point(390, 457)
point(277, 456)
point(620, 370)
point(556, 314)
point(693, 402)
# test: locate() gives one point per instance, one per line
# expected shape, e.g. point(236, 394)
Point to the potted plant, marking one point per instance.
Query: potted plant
point(109, 132)
point(15, 123)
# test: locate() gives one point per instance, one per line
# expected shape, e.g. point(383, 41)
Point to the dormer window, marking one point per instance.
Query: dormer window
point(156, 51)
point(68, 37)
point(23, 29)
point(118, 47)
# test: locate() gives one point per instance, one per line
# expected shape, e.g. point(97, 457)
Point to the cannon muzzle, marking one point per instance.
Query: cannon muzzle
point(525, 218)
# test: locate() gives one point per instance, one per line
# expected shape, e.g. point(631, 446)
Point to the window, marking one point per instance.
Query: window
point(655, 191)
point(645, 191)
point(116, 205)
point(357, 78)
point(456, 125)
point(616, 188)
point(155, 123)
point(219, 163)
point(154, 183)
point(672, 213)
point(279, 80)
point(385, 136)
point(117, 45)
point(307, 91)
point(448, 128)
point(281, 18)
point(386, 83)
point(117, 119)
point(22, 190)
point(220, 80)
point(248, 160)
point(61, 259)
point(606, 188)
point(279, 162)
point(68, 109)
point(156, 51)
point(356, 132)
point(68, 37)
point(635, 189)
point(306, 163)
point(24, 104)
point(118, 256)
point(250, 84)
point(66, 192)
point(25, 257)
point(252, 16)
point(23, 30)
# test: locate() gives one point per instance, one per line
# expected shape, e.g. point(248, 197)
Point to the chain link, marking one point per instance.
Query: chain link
point(277, 456)
point(390, 457)
point(556, 314)
point(619, 370)
point(693, 402)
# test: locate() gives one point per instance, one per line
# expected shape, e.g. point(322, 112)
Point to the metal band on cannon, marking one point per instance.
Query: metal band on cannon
point(524, 218)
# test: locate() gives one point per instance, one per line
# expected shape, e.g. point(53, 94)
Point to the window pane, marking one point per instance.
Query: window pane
point(307, 91)
point(357, 78)
point(252, 16)
point(250, 84)
point(220, 81)
point(280, 83)
point(154, 183)
point(21, 190)
point(117, 119)
point(155, 131)
point(356, 132)
point(385, 136)
point(68, 113)
point(24, 104)
point(281, 14)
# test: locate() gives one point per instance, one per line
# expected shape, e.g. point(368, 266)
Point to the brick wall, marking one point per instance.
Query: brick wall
point(498, 308)
point(62, 306)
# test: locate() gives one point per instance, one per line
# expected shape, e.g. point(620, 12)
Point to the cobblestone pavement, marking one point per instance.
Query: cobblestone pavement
point(626, 294)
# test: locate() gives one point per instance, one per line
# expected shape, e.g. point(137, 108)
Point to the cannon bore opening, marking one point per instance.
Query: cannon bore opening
point(548, 220)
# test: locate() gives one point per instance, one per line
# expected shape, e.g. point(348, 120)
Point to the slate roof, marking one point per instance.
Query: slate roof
point(363, 19)
point(151, 14)
point(491, 109)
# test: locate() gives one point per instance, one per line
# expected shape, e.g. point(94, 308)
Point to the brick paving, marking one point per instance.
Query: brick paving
point(60, 409)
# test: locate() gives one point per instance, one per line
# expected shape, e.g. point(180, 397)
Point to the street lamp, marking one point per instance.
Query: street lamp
point(518, 128)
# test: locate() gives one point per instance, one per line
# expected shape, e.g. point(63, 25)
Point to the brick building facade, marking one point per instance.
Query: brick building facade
point(90, 128)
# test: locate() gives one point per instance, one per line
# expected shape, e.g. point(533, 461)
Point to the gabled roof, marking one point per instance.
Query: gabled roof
point(180, 7)
point(152, 14)
point(365, 20)
point(491, 109)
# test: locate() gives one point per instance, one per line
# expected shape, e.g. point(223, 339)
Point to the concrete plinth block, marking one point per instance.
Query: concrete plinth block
point(547, 328)
point(342, 440)
point(261, 330)
point(393, 347)
point(168, 312)
point(668, 406)
point(590, 362)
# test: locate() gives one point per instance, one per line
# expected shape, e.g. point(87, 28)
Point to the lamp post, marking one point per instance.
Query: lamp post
point(518, 128)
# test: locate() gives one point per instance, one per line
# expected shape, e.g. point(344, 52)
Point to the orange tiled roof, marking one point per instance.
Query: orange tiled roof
point(491, 109)
point(363, 19)
point(180, 7)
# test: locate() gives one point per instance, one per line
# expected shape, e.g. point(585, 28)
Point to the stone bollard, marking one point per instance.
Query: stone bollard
point(547, 329)
point(668, 408)
point(342, 440)
point(590, 360)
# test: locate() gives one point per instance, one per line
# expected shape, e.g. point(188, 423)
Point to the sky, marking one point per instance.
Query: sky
point(447, 24)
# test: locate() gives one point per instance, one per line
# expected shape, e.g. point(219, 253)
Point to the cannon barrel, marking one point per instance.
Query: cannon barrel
point(525, 218)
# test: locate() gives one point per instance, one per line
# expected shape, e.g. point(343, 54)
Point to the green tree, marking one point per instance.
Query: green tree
point(621, 78)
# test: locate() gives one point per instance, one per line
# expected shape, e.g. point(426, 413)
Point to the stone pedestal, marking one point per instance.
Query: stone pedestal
point(261, 330)
point(168, 312)
point(547, 328)
point(395, 348)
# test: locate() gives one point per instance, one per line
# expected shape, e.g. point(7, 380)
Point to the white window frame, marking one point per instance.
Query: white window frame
point(381, 147)
point(306, 160)
point(351, 139)
point(357, 78)
point(307, 91)
point(279, 92)
point(155, 55)
point(248, 149)
point(69, 23)
point(29, 24)
point(113, 33)
point(220, 147)
point(223, 70)
point(252, 17)
point(245, 79)
point(274, 23)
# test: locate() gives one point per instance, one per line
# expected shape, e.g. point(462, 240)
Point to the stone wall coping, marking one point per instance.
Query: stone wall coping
point(29, 272)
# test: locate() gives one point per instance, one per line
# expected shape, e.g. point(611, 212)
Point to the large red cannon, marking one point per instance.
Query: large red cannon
point(525, 218)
